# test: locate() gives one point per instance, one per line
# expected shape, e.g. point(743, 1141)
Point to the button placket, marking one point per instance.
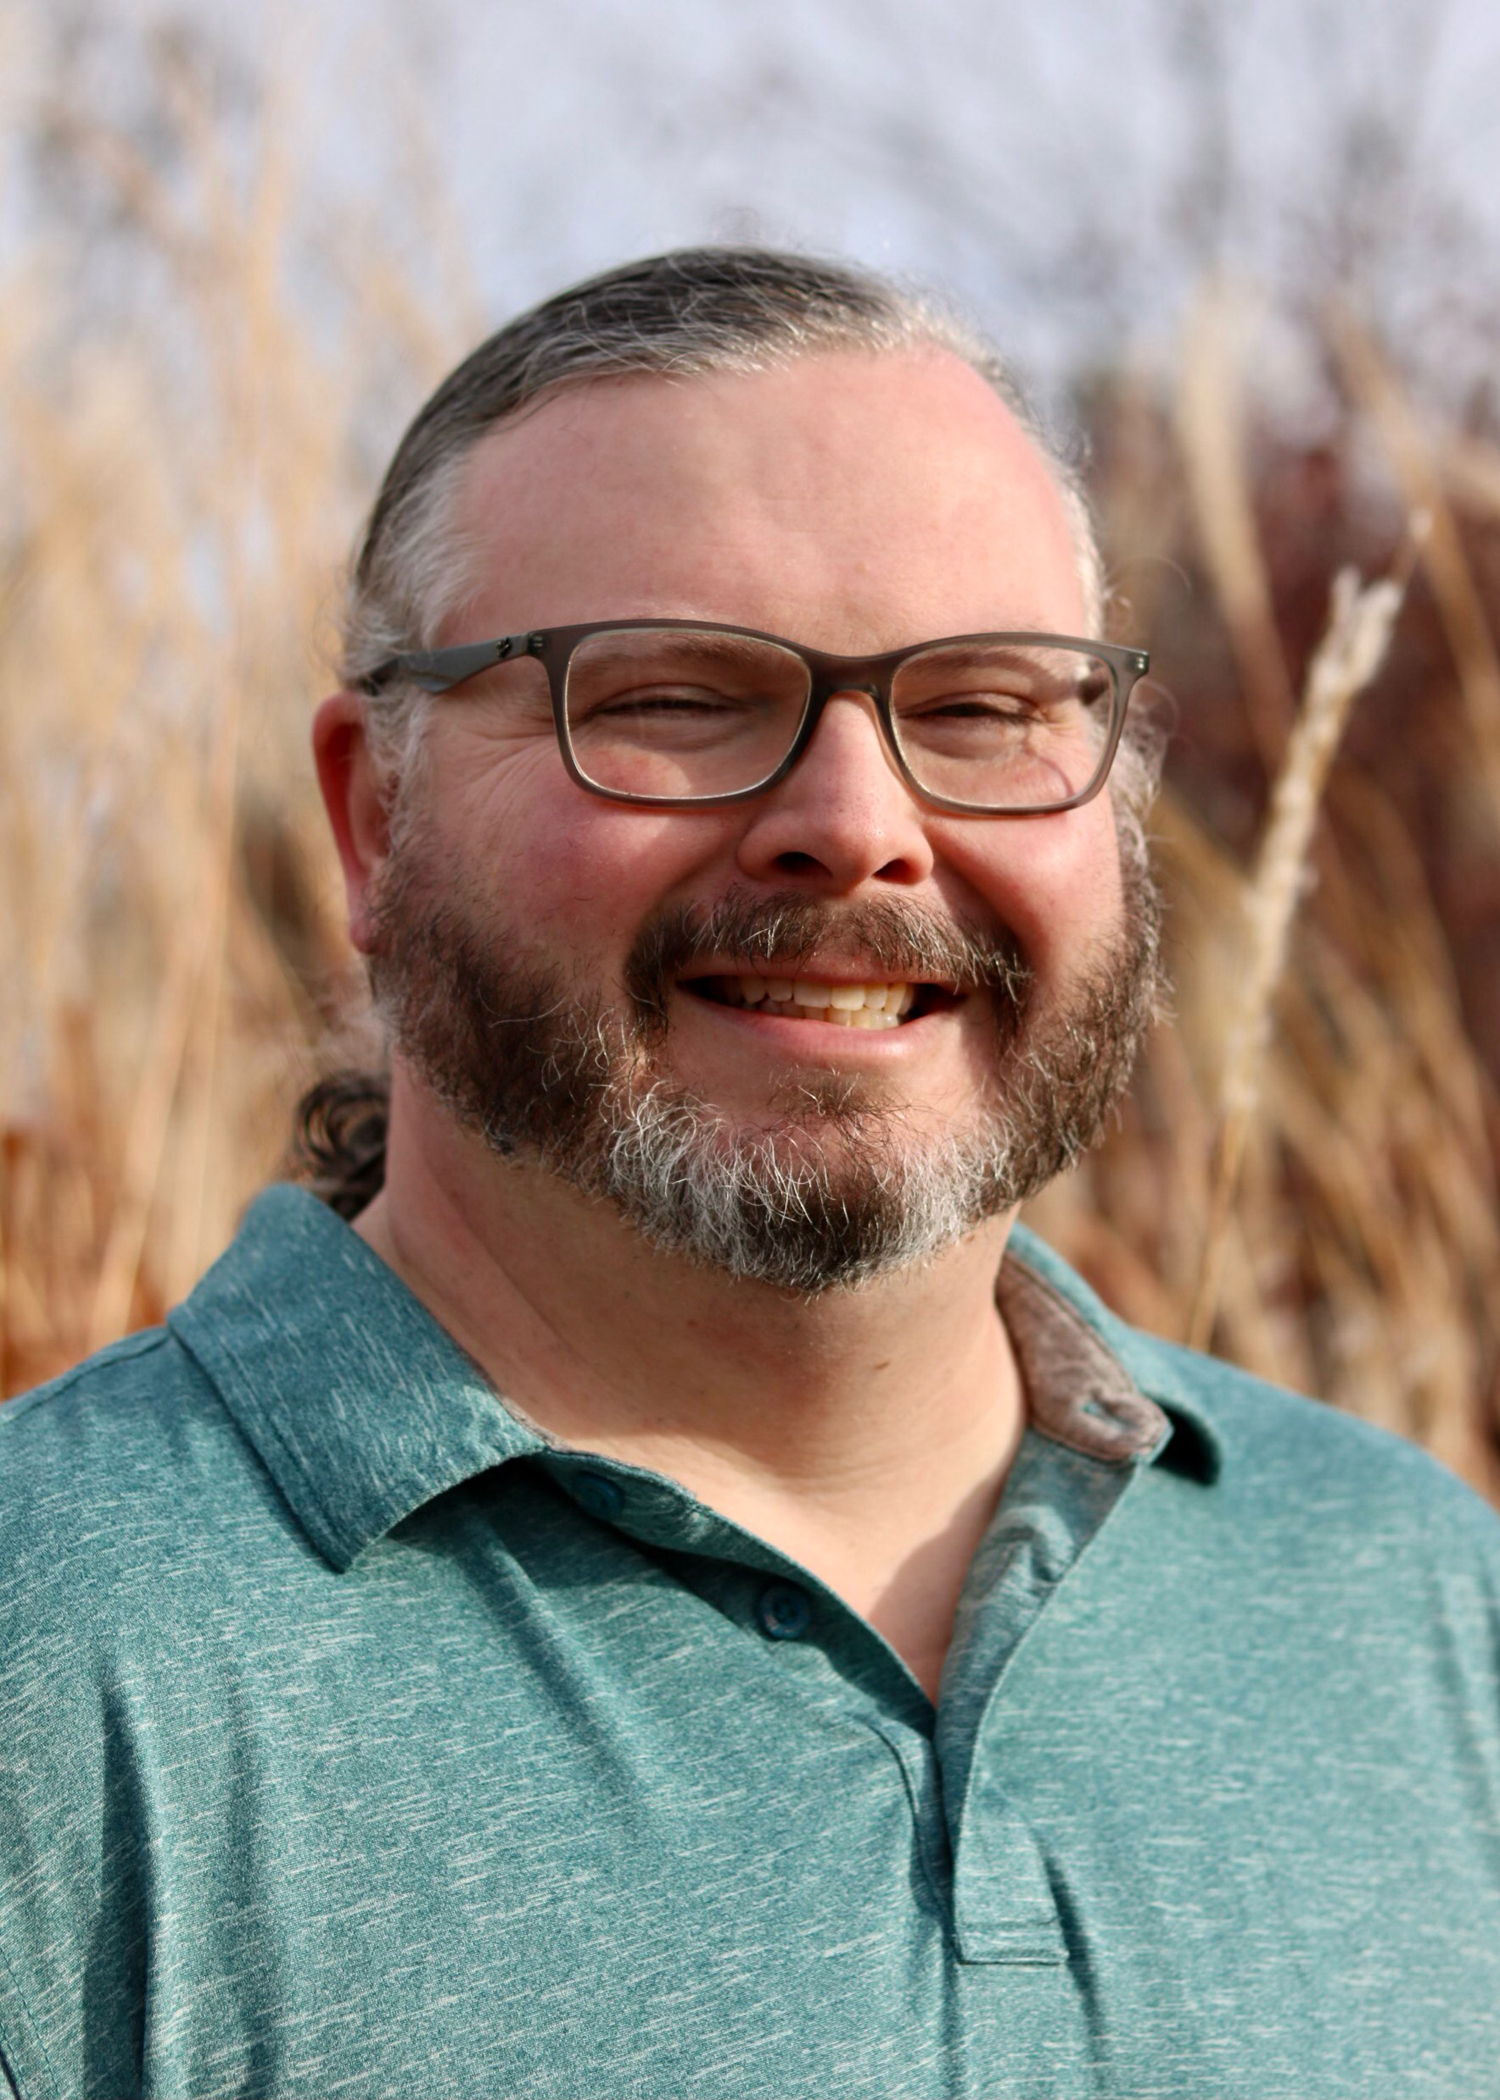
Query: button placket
point(1055, 1502)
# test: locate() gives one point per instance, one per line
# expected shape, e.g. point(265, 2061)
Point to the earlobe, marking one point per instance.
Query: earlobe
point(354, 795)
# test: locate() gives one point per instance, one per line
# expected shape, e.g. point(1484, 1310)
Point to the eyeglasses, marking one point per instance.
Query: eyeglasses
point(692, 715)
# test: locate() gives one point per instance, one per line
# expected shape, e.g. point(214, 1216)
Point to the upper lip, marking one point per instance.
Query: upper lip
point(812, 971)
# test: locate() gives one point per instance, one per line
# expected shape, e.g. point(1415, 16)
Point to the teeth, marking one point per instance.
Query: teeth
point(844, 1005)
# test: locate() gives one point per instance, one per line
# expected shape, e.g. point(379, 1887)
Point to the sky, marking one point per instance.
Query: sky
point(1066, 169)
point(1067, 173)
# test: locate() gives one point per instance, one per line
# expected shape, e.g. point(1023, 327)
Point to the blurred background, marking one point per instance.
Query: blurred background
point(1248, 253)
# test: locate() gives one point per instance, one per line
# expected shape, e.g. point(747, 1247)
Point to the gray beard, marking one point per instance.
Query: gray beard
point(840, 1187)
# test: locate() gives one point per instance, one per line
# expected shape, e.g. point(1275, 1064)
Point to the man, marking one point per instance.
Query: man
point(683, 1598)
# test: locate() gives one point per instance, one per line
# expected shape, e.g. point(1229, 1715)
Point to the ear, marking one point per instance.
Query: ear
point(355, 797)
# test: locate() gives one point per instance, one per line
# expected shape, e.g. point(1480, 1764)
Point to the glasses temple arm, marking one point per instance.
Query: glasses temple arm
point(438, 670)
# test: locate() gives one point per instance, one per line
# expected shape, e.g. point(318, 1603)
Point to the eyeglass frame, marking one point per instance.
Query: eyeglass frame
point(438, 671)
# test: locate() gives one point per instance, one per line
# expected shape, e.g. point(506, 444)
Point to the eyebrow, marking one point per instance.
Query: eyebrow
point(1032, 657)
point(712, 648)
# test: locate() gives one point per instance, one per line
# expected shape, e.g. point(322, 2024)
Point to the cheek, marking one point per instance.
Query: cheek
point(1054, 881)
point(581, 874)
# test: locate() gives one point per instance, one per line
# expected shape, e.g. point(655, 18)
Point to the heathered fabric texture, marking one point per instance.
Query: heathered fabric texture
point(356, 1741)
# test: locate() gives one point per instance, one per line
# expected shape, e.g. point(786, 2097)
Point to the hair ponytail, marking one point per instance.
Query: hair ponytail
point(338, 1139)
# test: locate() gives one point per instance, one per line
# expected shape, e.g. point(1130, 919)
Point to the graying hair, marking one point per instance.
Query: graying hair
point(694, 311)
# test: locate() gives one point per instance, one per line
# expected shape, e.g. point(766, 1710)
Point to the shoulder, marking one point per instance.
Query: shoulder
point(91, 1430)
point(100, 1391)
point(140, 1402)
point(126, 1492)
point(1281, 1461)
point(111, 1478)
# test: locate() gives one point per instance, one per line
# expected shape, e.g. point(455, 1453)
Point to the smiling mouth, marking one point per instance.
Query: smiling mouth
point(813, 999)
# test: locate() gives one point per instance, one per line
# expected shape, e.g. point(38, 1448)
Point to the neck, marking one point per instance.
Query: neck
point(864, 1432)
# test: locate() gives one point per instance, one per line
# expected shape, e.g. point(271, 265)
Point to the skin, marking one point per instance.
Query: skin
point(855, 503)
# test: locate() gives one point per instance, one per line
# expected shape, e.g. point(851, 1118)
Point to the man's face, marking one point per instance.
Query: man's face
point(567, 972)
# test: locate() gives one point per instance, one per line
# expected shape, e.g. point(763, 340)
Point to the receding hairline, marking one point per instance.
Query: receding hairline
point(683, 315)
point(936, 350)
point(480, 472)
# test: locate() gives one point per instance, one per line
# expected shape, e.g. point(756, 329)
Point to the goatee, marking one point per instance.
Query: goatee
point(839, 1186)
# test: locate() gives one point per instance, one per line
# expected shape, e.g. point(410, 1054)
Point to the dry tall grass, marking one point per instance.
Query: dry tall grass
point(1337, 1069)
point(180, 491)
point(178, 498)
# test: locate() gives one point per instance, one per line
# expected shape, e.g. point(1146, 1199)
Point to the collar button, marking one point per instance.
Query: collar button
point(599, 1495)
point(784, 1612)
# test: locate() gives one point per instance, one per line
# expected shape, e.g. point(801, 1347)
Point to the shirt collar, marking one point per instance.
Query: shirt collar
point(362, 1407)
point(1152, 1370)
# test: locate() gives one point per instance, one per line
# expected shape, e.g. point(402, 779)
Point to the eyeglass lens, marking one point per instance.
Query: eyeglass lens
point(663, 712)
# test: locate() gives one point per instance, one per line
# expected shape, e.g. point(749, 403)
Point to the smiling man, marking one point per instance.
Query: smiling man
point(679, 1595)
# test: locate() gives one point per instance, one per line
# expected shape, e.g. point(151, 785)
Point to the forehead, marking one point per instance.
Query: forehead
point(852, 500)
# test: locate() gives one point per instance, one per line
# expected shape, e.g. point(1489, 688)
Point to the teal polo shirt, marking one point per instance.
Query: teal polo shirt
point(357, 1740)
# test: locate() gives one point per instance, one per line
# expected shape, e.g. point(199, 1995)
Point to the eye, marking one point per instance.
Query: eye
point(664, 701)
point(982, 704)
point(986, 704)
point(675, 715)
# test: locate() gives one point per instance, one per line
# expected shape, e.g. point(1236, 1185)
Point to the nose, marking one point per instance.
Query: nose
point(843, 816)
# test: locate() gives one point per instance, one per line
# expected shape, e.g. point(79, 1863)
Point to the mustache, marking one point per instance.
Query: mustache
point(902, 940)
